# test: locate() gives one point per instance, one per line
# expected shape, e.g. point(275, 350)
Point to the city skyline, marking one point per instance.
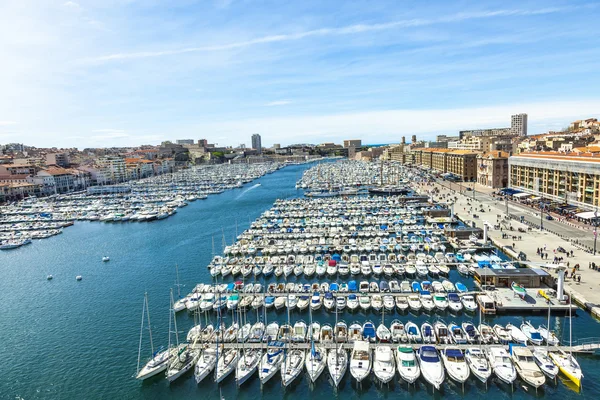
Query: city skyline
point(101, 74)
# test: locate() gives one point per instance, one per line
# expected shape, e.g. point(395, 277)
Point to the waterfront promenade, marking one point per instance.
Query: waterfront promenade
point(555, 234)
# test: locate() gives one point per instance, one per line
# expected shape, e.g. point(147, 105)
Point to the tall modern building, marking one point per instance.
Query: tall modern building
point(256, 142)
point(518, 124)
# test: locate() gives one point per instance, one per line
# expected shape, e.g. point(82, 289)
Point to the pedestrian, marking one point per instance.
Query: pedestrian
point(578, 278)
point(544, 247)
point(568, 264)
point(513, 245)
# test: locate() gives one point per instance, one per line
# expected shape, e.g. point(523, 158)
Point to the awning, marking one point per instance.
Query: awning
point(585, 215)
point(521, 195)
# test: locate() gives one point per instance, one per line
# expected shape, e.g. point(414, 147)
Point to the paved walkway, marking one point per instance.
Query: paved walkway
point(586, 292)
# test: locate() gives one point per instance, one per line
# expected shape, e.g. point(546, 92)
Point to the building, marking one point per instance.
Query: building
point(572, 178)
point(352, 142)
point(184, 141)
point(138, 168)
point(485, 132)
point(114, 167)
point(463, 163)
point(414, 138)
point(256, 143)
point(54, 180)
point(58, 159)
point(518, 124)
point(445, 138)
point(492, 169)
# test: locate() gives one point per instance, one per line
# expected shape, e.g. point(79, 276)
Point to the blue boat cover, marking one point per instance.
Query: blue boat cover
point(453, 296)
point(454, 353)
point(429, 354)
point(352, 286)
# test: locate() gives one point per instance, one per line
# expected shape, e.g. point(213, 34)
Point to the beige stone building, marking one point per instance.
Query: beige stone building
point(492, 169)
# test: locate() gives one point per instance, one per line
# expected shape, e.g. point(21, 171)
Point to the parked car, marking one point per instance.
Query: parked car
point(549, 217)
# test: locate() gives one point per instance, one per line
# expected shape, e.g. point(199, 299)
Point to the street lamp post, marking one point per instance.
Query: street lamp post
point(595, 228)
point(506, 202)
point(541, 216)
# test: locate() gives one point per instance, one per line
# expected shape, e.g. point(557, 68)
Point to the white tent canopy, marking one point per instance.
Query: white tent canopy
point(521, 195)
point(586, 215)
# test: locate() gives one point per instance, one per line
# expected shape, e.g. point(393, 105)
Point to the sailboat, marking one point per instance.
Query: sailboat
point(247, 363)
point(183, 358)
point(158, 361)
point(180, 304)
point(337, 360)
point(542, 358)
point(292, 366)
point(316, 357)
point(567, 364)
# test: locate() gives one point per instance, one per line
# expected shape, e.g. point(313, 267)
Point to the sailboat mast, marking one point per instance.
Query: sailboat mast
point(174, 319)
point(548, 328)
point(570, 326)
point(149, 325)
point(141, 333)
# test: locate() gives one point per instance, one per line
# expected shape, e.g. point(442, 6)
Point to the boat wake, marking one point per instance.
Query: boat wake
point(247, 190)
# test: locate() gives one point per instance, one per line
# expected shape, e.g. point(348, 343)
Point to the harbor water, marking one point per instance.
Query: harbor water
point(68, 339)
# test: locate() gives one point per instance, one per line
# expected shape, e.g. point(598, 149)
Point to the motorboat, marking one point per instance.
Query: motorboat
point(457, 334)
point(243, 333)
point(549, 337)
point(455, 363)
point(532, 334)
point(519, 290)
point(442, 333)
point(292, 366)
point(299, 332)
point(406, 363)
point(431, 366)
point(501, 364)
point(428, 333)
point(545, 363)
point(355, 332)
point(316, 301)
point(568, 365)
point(413, 333)
point(316, 359)
point(401, 304)
point(205, 364)
point(426, 300)
point(478, 363)
point(364, 301)
point(454, 303)
point(360, 360)
point(376, 302)
point(398, 333)
point(487, 335)
point(471, 332)
point(383, 333)
point(384, 366)
point(516, 334)
point(337, 363)
point(341, 332)
point(441, 301)
point(368, 331)
point(326, 334)
point(285, 333)
point(414, 302)
point(502, 334)
point(303, 302)
point(256, 332)
point(340, 303)
point(352, 302)
point(247, 365)
point(314, 332)
point(329, 301)
point(388, 303)
point(469, 303)
point(526, 367)
point(269, 364)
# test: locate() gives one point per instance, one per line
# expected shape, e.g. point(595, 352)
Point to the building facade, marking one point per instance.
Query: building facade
point(352, 142)
point(518, 124)
point(569, 178)
point(256, 143)
point(492, 169)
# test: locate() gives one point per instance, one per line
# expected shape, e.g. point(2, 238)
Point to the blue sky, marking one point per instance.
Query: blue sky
point(108, 72)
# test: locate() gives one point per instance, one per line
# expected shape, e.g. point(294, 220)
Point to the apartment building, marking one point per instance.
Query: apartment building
point(115, 168)
point(462, 163)
point(573, 177)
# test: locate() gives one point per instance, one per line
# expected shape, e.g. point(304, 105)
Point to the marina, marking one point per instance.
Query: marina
point(143, 200)
point(249, 235)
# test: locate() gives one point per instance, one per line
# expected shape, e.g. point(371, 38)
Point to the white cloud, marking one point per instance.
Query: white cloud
point(72, 4)
point(278, 103)
point(5, 123)
point(346, 30)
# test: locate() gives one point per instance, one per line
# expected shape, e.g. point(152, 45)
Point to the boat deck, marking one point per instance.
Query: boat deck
point(508, 302)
